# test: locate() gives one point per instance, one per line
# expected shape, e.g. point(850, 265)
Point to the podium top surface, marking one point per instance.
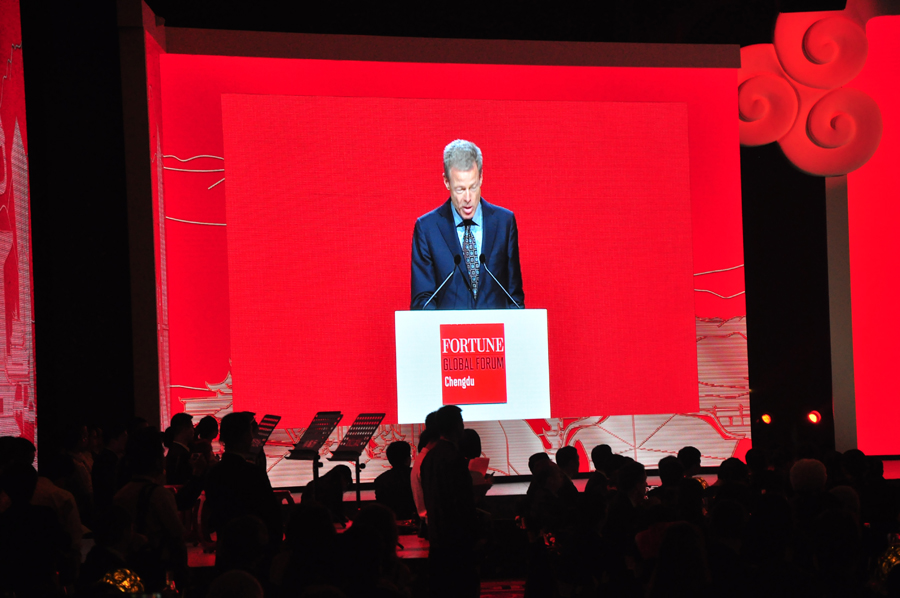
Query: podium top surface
point(470, 316)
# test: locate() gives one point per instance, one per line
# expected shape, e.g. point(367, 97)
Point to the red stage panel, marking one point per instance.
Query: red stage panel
point(321, 198)
point(874, 212)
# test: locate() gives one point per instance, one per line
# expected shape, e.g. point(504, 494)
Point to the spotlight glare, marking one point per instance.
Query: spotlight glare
point(766, 418)
point(814, 416)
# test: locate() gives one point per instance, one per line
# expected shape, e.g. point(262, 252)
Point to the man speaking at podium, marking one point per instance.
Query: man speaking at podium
point(465, 254)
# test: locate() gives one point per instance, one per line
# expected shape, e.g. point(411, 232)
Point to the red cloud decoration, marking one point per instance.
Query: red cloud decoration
point(790, 91)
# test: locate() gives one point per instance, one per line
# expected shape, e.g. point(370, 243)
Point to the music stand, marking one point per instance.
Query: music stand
point(266, 427)
point(355, 441)
point(320, 428)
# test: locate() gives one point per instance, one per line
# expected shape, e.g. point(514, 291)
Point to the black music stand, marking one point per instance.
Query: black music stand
point(355, 441)
point(266, 427)
point(320, 428)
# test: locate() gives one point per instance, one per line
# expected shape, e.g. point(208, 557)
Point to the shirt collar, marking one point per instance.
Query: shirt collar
point(457, 219)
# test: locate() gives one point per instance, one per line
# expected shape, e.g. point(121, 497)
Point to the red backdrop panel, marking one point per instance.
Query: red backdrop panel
point(875, 253)
point(321, 198)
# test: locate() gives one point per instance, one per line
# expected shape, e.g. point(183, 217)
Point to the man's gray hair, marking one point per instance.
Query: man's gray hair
point(461, 155)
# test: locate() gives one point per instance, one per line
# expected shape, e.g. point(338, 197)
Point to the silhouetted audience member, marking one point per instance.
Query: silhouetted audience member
point(553, 501)
point(733, 470)
point(46, 494)
point(470, 444)
point(32, 543)
point(598, 483)
point(257, 452)
point(427, 439)
point(838, 558)
point(113, 541)
point(626, 509)
point(879, 501)
point(808, 477)
point(682, 568)
point(236, 487)
point(393, 488)
point(768, 552)
point(834, 467)
point(94, 443)
point(63, 503)
point(206, 431)
point(107, 473)
point(690, 460)
point(183, 468)
point(600, 457)
point(691, 497)
point(671, 472)
point(307, 558)
point(153, 510)
point(614, 465)
point(551, 515)
point(568, 460)
point(359, 545)
point(328, 491)
point(78, 479)
point(451, 511)
point(727, 524)
point(855, 465)
point(764, 480)
point(243, 544)
point(179, 435)
point(470, 447)
point(394, 575)
point(537, 461)
point(732, 483)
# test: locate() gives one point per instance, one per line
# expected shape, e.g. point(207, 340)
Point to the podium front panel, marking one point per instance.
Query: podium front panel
point(492, 363)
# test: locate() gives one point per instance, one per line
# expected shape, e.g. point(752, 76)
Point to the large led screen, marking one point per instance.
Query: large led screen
point(18, 406)
point(321, 197)
point(291, 188)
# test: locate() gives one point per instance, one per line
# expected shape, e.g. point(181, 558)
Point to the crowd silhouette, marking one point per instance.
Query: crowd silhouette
point(115, 509)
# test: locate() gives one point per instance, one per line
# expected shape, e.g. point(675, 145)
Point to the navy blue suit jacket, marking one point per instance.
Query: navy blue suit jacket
point(434, 245)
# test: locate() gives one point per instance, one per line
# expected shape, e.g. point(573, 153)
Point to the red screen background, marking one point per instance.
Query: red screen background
point(322, 193)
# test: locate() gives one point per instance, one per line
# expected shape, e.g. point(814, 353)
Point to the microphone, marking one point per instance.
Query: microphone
point(456, 260)
point(484, 263)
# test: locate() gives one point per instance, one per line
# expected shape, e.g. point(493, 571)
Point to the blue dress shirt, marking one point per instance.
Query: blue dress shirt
point(477, 226)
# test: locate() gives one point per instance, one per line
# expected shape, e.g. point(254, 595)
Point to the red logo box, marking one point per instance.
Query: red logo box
point(473, 364)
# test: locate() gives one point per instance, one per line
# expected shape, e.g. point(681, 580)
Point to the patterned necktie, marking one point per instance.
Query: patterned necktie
point(470, 253)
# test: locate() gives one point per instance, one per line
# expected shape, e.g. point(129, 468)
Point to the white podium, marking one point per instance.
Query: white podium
point(492, 363)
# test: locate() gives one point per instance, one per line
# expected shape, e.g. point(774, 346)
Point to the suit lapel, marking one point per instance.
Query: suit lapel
point(448, 231)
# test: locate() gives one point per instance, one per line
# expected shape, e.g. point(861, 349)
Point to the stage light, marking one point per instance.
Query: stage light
point(814, 416)
point(766, 418)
